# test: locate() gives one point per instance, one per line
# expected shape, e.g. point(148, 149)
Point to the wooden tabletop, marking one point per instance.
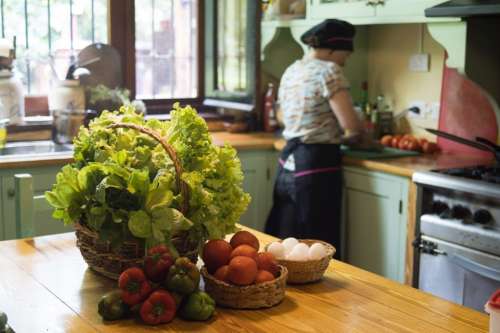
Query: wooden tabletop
point(45, 286)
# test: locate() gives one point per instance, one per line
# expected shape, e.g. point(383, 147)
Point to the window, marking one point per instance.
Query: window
point(232, 53)
point(166, 49)
point(49, 34)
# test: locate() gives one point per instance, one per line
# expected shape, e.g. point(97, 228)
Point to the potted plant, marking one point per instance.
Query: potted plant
point(136, 183)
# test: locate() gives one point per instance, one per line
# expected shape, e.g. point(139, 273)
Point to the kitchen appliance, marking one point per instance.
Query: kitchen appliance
point(464, 8)
point(11, 88)
point(458, 239)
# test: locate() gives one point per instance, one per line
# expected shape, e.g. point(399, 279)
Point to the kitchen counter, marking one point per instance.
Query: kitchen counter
point(406, 166)
point(45, 286)
point(240, 141)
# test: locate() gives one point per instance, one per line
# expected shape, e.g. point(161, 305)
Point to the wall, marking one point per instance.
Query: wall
point(389, 51)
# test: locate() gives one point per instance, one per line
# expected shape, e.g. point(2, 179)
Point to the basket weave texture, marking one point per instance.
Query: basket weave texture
point(98, 253)
point(310, 270)
point(255, 296)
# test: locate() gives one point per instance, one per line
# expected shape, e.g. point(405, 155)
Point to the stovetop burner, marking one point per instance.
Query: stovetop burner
point(490, 174)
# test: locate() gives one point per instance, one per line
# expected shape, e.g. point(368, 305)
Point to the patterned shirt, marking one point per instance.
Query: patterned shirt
point(305, 88)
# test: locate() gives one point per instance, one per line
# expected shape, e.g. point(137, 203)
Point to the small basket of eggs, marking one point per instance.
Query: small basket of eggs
point(305, 259)
point(237, 276)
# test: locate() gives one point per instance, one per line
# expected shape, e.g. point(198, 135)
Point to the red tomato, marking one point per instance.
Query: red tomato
point(413, 145)
point(386, 140)
point(395, 142)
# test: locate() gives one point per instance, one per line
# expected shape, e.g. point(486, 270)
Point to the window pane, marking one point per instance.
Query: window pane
point(74, 24)
point(166, 49)
point(231, 46)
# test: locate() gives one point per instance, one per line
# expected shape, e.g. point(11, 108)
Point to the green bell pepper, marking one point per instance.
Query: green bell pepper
point(198, 306)
point(183, 277)
point(112, 307)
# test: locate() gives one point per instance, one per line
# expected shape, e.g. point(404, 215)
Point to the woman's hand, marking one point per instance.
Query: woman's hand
point(361, 141)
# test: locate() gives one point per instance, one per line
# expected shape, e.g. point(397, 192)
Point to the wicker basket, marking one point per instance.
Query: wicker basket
point(255, 296)
point(99, 254)
point(307, 271)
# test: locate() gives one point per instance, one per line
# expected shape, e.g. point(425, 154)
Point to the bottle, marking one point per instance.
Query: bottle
point(364, 94)
point(270, 120)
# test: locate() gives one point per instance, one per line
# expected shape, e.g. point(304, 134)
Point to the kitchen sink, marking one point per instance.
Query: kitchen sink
point(37, 148)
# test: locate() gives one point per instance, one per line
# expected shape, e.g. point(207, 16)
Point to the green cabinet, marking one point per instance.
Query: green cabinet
point(376, 221)
point(24, 210)
point(373, 11)
point(322, 9)
point(259, 169)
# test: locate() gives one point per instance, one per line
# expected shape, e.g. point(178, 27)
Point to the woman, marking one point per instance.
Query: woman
point(318, 115)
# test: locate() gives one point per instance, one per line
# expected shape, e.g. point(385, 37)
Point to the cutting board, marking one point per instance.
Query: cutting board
point(373, 155)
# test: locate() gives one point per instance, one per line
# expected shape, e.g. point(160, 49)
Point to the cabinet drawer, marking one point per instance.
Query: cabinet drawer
point(373, 182)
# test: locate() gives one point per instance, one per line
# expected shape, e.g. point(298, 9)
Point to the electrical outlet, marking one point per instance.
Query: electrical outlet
point(419, 62)
point(433, 111)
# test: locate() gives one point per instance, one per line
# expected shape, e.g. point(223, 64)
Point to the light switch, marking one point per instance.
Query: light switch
point(419, 62)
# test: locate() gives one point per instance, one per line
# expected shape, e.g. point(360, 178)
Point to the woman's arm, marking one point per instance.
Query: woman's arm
point(355, 136)
point(341, 104)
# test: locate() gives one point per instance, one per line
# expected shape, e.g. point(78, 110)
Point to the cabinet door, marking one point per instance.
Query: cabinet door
point(407, 10)
point(257, 183)
point(32, 216)
point(342, 9)
point(375, 212)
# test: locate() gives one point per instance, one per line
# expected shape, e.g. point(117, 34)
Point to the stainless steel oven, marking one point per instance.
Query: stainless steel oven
point(458, 238)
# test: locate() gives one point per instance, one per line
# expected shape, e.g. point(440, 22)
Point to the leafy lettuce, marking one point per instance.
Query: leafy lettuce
point(122, 182)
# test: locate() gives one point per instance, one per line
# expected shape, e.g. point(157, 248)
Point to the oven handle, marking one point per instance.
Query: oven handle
point(475, 267)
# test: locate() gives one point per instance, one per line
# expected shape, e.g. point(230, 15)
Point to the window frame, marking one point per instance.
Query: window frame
point(122, 37)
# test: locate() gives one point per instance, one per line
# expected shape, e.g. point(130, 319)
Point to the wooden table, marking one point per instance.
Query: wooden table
point(45, 286)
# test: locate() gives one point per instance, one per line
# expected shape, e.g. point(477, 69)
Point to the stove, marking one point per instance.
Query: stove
point(458, 233)
point(489, 174)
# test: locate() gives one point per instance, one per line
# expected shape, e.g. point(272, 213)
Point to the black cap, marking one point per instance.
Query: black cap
point(330, 34)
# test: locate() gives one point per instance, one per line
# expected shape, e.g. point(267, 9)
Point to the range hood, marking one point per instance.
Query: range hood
point(465, 8)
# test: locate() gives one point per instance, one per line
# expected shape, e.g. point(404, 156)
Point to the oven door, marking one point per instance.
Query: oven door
point(458, 274)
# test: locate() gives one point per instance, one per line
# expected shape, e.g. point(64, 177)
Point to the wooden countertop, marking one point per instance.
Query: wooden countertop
point(45, 286)
point(240, 141)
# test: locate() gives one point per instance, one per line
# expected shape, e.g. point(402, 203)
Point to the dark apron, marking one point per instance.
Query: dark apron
point(307, 201)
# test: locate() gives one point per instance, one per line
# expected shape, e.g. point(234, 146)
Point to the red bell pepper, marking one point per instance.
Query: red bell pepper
point(159, 308)
point(134, 285)
point(157, 263)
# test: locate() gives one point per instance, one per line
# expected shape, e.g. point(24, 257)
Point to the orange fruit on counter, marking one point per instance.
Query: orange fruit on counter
point(267, 262)
point(263, 276)
point(221, 273)
point(242, 270)
point(245, 251)
point(216, 253)
point(244, 237)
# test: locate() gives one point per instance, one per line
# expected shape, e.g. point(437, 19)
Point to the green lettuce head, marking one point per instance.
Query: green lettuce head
point(122, 183)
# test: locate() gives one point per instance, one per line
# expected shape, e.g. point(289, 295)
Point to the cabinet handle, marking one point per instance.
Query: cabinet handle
point(381, 2)
point(370, 3)
point(11, 193)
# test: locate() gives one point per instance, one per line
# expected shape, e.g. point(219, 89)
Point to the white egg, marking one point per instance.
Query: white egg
point(289, 243)
point(317, 251)
point(302, 247)
point(298, 254)
point(277, 250)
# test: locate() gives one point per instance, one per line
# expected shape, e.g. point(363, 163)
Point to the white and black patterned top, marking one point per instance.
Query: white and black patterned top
point(306, 87)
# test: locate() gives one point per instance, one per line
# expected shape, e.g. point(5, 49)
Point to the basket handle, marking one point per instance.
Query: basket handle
point(173, 156)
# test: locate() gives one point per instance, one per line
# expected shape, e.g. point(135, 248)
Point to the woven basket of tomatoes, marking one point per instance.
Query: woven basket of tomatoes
point(237, 276)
